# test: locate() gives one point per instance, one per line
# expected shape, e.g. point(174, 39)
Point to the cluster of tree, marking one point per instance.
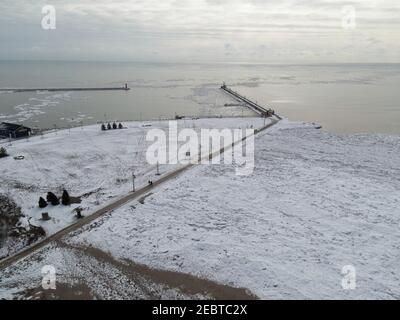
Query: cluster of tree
point(54, 200)
point(111, 127)
point(3, 152)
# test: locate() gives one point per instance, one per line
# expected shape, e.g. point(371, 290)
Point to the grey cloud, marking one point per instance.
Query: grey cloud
point(200, 29)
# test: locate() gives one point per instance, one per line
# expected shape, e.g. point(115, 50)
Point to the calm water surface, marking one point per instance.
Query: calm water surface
point(350, 98)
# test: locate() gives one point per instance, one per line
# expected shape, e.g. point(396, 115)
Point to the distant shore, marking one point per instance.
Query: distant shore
point(125, 88)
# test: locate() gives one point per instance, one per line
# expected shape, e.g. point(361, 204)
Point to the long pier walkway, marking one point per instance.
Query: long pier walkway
point(250, 104)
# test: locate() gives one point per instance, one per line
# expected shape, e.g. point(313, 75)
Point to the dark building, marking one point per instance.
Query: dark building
point(13, 130)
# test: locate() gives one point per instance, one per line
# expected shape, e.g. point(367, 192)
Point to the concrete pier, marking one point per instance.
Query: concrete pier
point(250, 104)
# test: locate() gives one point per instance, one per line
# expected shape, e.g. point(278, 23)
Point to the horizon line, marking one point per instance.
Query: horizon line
point(199, 62)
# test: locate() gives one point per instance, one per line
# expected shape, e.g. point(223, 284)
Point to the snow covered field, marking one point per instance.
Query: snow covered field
point(89, 163)
point(316, 202)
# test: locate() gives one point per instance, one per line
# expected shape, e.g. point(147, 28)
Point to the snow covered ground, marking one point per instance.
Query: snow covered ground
point(89, 163)
point(87, 273)
point(316, 202)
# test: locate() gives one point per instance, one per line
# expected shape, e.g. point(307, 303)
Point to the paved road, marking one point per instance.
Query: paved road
point(115, 205)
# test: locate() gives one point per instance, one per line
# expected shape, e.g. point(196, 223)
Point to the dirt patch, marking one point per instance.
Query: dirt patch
point(192, 285)
point(75, 200)
point(185, 283)
point(62, 292)
point(14, 236)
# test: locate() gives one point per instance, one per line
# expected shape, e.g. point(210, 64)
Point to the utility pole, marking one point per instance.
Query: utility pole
point(158, 169)
point(133, 181)
point(200, 153)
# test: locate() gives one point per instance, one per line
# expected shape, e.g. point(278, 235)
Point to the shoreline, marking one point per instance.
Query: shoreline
point(45, 131)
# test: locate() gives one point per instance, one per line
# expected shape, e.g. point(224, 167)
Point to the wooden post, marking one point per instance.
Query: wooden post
point(133, 182)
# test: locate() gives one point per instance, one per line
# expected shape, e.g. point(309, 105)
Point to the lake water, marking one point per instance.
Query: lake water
point(348, 98)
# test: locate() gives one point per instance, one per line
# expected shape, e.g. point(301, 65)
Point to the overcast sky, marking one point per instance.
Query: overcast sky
point(285, 31)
